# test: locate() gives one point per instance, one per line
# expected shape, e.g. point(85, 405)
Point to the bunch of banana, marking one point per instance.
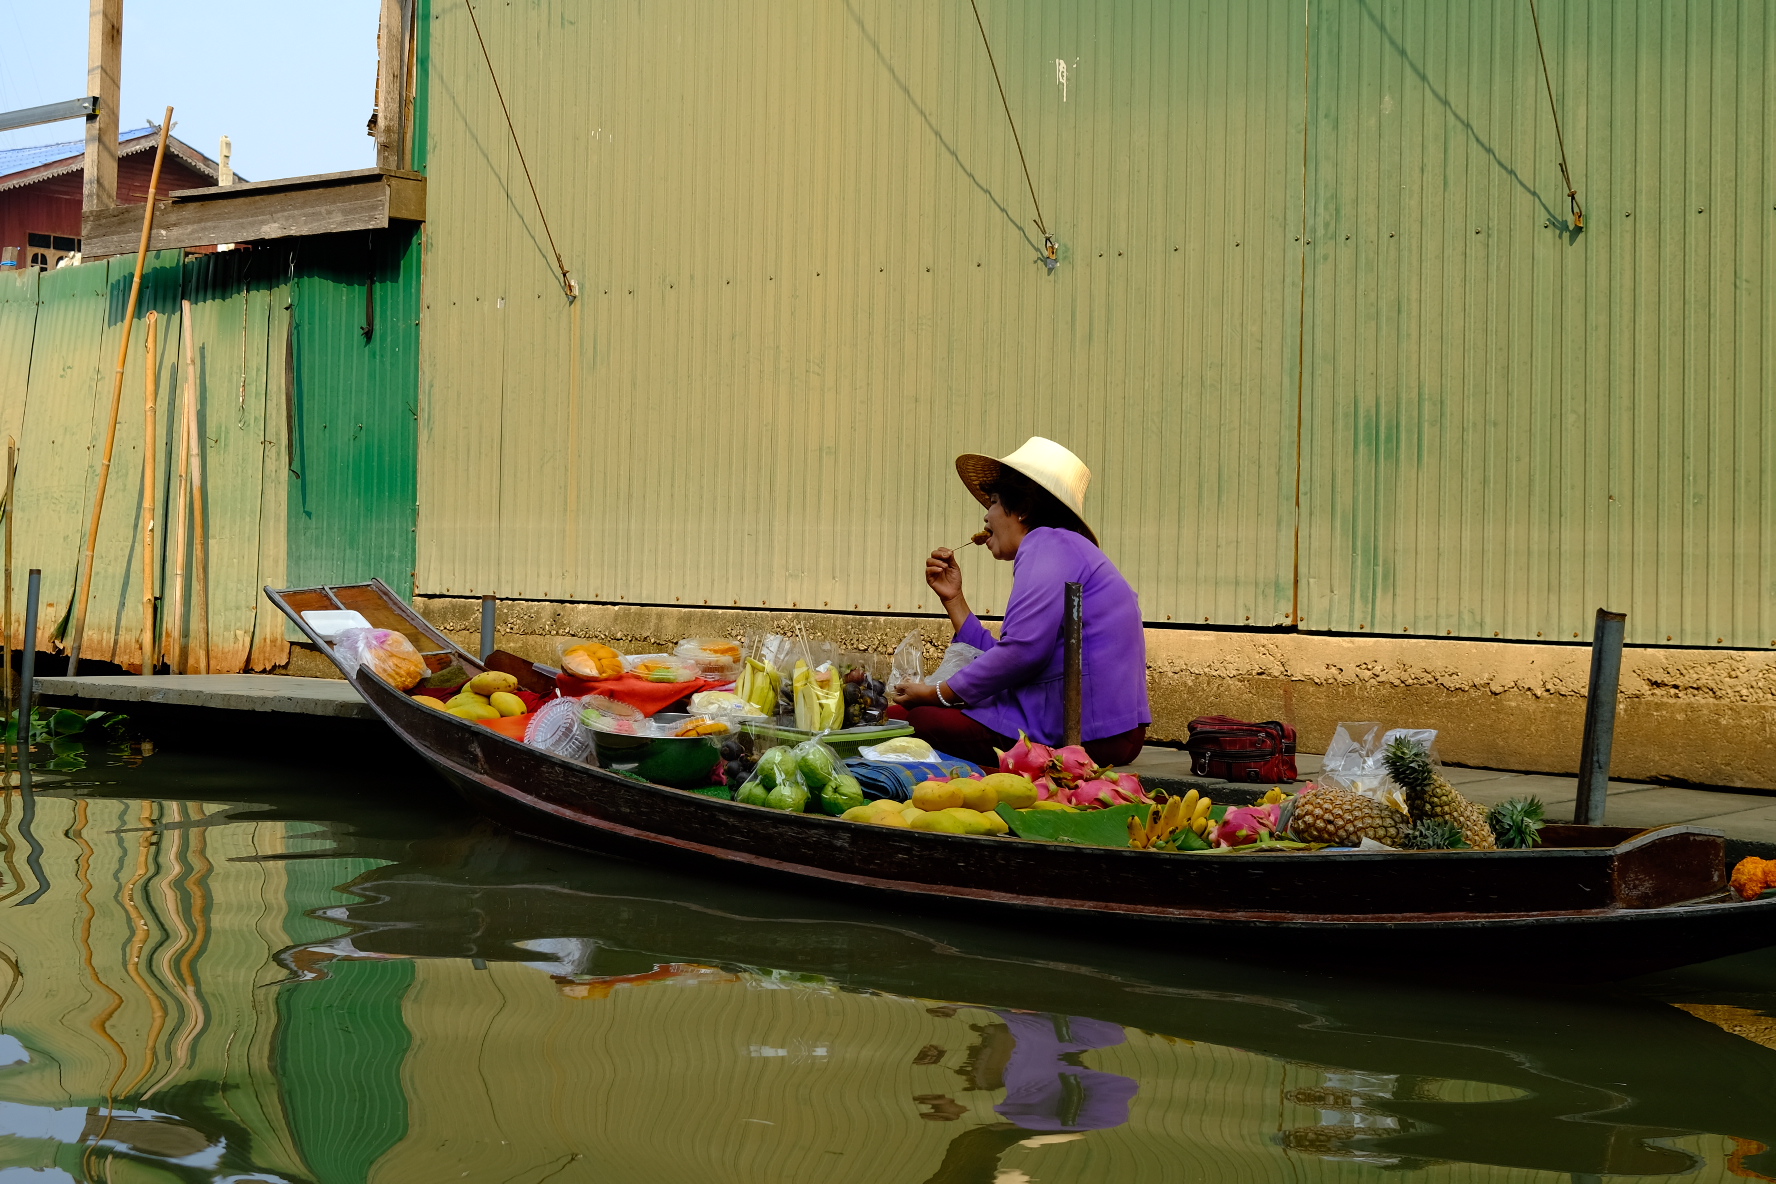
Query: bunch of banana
point(759, 685)
point(819, 697)
point(1190, 812)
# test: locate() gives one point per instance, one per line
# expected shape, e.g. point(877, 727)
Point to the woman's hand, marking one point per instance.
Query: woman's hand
point(944, 574)
point(915, 694)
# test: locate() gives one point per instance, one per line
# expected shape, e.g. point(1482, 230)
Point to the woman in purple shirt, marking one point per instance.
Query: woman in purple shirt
point(1033, 499)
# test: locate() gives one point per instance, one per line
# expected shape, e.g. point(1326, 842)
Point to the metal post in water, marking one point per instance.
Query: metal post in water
point(487, 607)
point(1600, 718)
point(1073, 637)
point(28, 659)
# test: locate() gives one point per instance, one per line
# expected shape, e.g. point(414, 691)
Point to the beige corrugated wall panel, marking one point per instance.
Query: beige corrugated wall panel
point(240, 323)
point(810, 279)
point(1508, 426)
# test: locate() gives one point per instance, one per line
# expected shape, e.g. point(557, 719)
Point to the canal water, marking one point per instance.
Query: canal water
point(219, 969)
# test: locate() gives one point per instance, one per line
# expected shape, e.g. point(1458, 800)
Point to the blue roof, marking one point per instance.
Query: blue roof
point(17, 160)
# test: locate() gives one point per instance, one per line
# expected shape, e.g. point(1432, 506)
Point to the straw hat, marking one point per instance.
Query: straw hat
point(1043, 461)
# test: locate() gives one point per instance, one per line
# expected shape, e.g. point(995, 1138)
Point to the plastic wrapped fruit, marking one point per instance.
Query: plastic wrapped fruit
point(387, 653)
point(591, 660)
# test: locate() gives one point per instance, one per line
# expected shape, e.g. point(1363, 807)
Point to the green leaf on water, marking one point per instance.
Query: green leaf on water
point(67, 723)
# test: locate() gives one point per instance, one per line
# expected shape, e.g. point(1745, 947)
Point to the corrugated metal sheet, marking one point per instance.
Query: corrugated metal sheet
point(810, 280)
point(353, 453)
point(238, 306)
point(335, 501)
point(1508, 426)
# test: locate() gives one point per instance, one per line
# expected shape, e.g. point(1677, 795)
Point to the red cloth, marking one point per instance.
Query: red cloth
point(949, 731)
point(648, 697)
point(508, 725)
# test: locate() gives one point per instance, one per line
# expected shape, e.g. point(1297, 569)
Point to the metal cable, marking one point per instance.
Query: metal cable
point(1047, 238)
point(1572, 192)
point(567, 282)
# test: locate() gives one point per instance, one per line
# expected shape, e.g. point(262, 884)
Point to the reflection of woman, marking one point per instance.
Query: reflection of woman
point(1033, 499)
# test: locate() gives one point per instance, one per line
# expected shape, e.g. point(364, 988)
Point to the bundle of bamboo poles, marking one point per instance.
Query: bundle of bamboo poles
point(188, 498)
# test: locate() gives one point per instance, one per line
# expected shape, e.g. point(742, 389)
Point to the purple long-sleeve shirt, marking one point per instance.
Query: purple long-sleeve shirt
point(1016, 684)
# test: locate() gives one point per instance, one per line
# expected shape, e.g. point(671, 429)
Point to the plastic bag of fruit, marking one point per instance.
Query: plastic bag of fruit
point(776, 782)
point(387, 653)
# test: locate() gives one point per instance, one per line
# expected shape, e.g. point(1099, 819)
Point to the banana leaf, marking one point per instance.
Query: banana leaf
point(1091, 828)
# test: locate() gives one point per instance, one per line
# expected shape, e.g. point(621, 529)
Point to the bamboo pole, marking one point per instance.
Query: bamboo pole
point(83, 582)
point(150, 389)
point(175, 647)
point(6, 621)
point(200, 600)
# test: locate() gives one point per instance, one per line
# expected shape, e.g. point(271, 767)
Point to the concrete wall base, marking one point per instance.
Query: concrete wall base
point(1706, 717)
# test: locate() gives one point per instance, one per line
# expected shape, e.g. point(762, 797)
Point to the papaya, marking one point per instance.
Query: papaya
point(492, 682)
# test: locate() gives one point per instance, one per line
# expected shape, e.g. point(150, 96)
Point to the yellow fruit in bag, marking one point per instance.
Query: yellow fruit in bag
point(492, 682)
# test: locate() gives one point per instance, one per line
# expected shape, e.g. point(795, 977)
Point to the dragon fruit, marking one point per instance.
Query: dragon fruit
point(1074, 763)
point(1026, 758)
point(1096, 794)
point(1246, 825)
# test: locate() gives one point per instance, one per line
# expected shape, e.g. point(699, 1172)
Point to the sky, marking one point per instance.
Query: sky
point(291, 84)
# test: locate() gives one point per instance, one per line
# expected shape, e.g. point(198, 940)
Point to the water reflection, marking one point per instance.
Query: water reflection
point(241, 972)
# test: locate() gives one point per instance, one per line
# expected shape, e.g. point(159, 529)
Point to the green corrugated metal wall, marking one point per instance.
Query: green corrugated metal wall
point(352, 495)
point(259, 318)
point(804, 241)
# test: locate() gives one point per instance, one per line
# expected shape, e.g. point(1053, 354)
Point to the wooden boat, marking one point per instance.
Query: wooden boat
point(1592, 902)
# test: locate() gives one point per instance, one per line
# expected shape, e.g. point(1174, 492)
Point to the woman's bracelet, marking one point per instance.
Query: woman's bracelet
point(943, 702)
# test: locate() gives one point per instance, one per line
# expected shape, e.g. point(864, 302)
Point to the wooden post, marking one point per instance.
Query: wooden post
point(104, 77)
point(151, 358)
point(175, 647)
point(391, 85)
point(28, 659)
point(1072, 686)
point(11, 472)
point(1600, 718)
point(83, 578)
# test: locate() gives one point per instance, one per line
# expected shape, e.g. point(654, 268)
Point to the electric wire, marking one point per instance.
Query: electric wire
point(1048, 239)
point(1572, 192)
point(567, 281)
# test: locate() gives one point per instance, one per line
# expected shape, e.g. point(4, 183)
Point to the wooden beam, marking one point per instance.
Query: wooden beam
point(104, 77)
point(280, 213)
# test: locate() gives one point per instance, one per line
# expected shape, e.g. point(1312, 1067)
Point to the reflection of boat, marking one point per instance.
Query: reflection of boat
point(1595, 901)
point(1583, 1084)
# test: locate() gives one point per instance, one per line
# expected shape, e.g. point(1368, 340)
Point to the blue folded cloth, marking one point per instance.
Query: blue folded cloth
point(895, 779)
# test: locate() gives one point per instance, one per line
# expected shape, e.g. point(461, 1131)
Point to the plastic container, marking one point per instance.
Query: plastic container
point(715, 658)
point(660, 667)
point(647, 749)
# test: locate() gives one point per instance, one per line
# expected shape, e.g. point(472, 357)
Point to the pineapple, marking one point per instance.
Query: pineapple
point(1435, 834)
point(1429, 796)
point(1344, 819)
point(1515, 823)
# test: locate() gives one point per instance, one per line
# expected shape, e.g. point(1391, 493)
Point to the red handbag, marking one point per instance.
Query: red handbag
point(1235, 750)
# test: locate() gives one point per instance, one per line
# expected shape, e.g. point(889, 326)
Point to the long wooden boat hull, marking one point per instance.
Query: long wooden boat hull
point(1606, 902)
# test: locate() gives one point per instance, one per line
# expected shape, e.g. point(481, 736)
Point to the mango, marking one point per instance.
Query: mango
point(1012, 790)
point(941, 821)
point(888, 818)
point(474, 711)
point(465, 698)
point(995, 824)
point(506, 703)
point(908, 811)
point(429, 701)
point(937, 795)
point(858, 814)
point(973, 823)
point(492, 682)
point(978, 795)
point(1054, 806)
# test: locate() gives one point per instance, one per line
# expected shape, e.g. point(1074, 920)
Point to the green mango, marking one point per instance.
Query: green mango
point(841, 794)
point(789, 795)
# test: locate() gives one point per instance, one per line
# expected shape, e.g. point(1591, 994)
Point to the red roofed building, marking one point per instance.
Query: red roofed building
point(40, 190)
